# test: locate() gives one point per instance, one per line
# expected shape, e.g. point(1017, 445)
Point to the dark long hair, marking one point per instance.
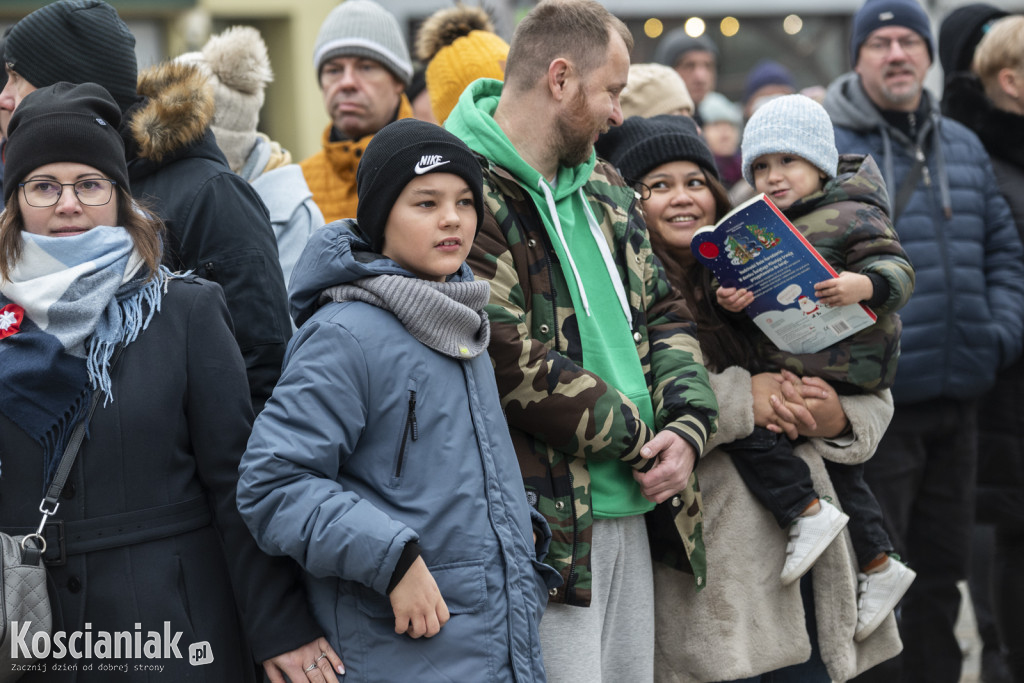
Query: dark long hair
point(724, 339)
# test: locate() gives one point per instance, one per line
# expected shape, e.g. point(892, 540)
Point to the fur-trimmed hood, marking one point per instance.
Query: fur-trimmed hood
point(174, 112)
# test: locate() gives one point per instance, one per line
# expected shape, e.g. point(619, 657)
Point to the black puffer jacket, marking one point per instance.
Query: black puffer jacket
point(217, 225)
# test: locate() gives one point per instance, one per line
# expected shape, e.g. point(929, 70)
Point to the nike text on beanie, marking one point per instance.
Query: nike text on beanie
point(400, 152)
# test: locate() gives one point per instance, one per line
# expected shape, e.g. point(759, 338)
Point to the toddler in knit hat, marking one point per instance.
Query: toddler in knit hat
point(840, 205)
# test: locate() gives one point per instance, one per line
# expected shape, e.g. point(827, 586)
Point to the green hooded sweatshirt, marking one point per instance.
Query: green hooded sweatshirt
point(584, 253)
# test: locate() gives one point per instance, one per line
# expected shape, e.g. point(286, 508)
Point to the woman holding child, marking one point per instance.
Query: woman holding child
point(745, 622)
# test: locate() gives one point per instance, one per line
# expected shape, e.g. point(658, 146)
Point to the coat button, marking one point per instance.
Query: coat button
point(74, 585)
point(637, 257)
point(69, 491)
point(531, 243)
point(676, 501)
point(553, 592)
point(560, 505)
point(637, 337)
point(544, 329)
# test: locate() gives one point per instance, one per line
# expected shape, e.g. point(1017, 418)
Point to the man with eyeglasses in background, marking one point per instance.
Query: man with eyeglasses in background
point(963, 323)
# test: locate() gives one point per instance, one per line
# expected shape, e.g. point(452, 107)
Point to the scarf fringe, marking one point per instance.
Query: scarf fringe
point(56, 438)
point(136, 313)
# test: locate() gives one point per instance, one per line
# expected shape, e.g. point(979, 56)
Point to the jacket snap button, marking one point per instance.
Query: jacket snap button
point(553, 592)
point(74, 585)
point(700, 580)
point(559, 505)
point(637, 257)
point(676, 501)
point(531, 243)
point(637, 337)
point(544, 329)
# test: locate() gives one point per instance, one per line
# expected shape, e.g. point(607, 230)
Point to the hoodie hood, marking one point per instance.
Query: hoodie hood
point(473, 121)
point(849, 106)
point(336, 255)
point(175, 113)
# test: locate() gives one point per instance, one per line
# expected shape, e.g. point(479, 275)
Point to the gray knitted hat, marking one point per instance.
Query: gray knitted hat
point(793, 124)
point(362, 28)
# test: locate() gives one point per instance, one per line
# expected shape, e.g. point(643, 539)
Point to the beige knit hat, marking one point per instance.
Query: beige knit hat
point(654, 89)
point(238, 67)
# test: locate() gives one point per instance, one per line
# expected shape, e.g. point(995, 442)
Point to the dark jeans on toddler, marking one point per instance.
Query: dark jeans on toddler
point(781, 481)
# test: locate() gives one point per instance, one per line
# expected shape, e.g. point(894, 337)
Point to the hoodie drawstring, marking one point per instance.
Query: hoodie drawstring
point(553, 211)
point(606, 255)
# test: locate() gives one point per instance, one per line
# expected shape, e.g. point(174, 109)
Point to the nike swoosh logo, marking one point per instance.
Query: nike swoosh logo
point(420, 170)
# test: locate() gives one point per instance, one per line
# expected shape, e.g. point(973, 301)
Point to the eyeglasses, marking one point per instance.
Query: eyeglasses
point(90, 192)
point(881, 46)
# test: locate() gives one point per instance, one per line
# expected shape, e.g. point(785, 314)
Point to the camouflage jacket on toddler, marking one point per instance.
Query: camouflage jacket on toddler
point(560, 415)
point(848, 223)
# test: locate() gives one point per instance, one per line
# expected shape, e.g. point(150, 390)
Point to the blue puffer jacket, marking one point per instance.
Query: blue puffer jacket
point(371, 440)
point(966, 317)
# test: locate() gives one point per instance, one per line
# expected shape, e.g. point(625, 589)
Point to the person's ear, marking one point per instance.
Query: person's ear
point(1010, 82)
point(559, 74)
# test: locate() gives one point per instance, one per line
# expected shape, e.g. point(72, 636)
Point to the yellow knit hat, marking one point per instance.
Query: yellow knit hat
point(460, 46)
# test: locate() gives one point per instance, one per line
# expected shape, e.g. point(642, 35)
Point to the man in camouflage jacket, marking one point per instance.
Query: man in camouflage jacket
point(564, 418)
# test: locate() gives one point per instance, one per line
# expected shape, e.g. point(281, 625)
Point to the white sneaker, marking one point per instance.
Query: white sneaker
point(808, 538)
point(878, 594)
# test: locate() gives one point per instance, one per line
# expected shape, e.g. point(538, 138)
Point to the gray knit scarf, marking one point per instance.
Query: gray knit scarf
point(448, 317)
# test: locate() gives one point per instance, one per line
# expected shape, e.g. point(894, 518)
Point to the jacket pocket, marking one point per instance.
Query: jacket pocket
point(410, 433)
point(463, 586)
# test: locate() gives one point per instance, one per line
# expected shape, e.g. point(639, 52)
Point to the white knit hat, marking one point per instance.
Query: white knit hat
point(362, 28)
point(238, 67)
point(793, 124)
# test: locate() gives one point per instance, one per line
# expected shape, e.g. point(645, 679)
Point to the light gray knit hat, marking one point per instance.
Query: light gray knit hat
point(362, 28)
point(793, 124)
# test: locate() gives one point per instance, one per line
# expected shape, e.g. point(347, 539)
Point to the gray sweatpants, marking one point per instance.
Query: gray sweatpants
point(613, 639)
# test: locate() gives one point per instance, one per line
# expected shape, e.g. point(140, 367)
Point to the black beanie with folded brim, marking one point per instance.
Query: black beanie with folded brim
point(78, 41)
point(64, 122)
point(400, 152)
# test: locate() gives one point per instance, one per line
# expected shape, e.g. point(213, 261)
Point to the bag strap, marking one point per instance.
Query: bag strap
point(50, 503)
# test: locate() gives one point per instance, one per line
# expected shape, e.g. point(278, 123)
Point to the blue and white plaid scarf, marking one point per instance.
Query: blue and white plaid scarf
point(68, 304)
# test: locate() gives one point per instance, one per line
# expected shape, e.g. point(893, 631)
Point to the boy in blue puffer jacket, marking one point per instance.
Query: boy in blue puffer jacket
point(382, 462)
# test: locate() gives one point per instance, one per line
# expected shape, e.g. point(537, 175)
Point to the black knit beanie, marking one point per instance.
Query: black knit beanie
point(399, 152)
point(641, 144)
point(64, 122)
point(876, 14)
point(79, 41)
point(960, 33)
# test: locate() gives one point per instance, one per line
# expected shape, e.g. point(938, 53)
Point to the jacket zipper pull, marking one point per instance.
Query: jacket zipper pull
point(925, 174)
point(412, 414)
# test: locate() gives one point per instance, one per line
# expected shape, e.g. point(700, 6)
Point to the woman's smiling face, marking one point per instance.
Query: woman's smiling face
point(680, 202)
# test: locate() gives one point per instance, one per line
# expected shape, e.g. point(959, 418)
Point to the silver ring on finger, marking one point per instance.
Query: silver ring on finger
point(322, 655)
point(310, 667)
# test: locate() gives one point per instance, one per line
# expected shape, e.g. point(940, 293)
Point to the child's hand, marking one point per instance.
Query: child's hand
point(417, 603)
point(734, 300)
point(848, 288)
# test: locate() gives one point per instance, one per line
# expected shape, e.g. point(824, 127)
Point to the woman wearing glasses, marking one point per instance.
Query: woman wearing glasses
point(146, 549)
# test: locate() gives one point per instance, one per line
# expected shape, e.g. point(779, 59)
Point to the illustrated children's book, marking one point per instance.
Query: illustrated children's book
point(755, 247)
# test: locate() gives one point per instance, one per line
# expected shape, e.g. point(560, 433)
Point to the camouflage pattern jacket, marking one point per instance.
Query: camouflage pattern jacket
point(848, 223)
point(561, 415)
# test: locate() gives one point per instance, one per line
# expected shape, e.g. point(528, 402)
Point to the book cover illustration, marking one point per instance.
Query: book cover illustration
point(755, 247)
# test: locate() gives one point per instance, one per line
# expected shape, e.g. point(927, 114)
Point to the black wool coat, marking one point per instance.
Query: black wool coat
point(173, 435)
